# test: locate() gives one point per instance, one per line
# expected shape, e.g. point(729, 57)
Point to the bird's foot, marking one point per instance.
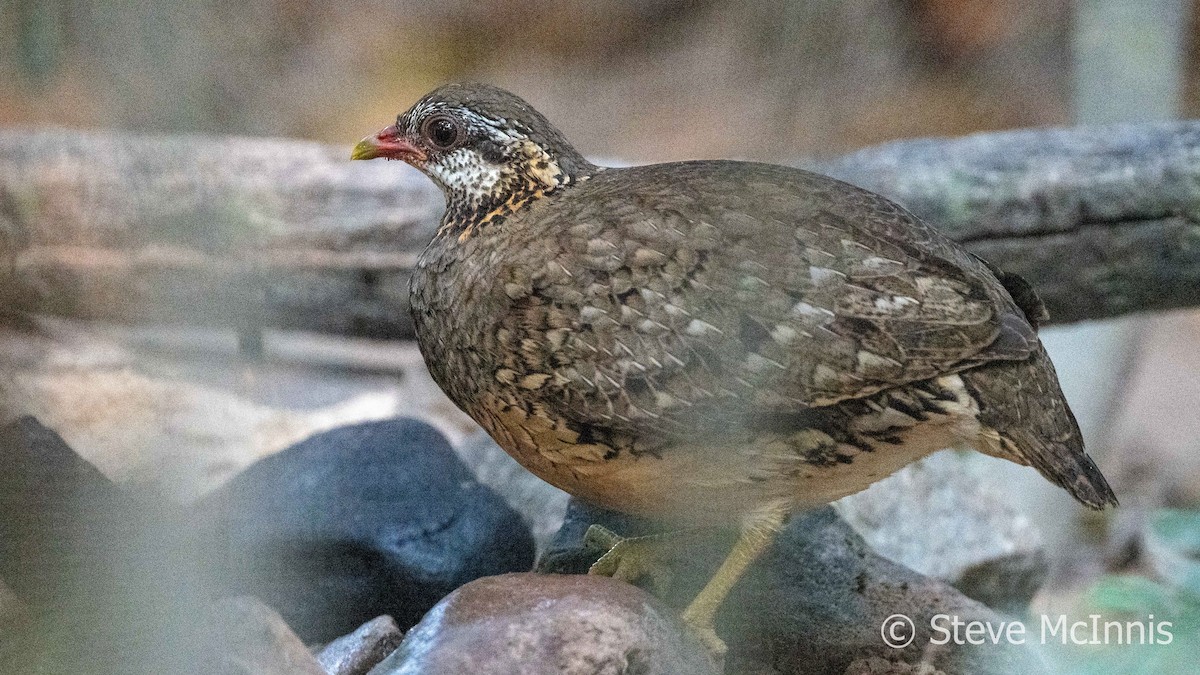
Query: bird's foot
point(632, 559)
point(635, 558)
point(703, 630)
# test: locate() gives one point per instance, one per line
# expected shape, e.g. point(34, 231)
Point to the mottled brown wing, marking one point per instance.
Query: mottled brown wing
point(703, 291)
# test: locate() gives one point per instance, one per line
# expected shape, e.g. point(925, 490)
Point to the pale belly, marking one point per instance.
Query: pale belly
point(699, 483)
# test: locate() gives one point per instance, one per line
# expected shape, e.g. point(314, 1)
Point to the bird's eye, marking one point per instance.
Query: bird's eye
point(442, 131)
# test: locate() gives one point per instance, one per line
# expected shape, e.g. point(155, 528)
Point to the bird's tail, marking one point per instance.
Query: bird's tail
point(1026, 420)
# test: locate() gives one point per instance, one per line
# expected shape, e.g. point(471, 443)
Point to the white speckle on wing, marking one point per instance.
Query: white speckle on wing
point(823, 275)
point(893, 303)
point(805, 310)
point(758, 363)
point(870, 361)
point(697, 328)
point(878, 263)
point(783, 334)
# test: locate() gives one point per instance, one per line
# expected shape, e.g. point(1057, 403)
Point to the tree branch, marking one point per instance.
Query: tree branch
point(1102, 221)
point(250, 233)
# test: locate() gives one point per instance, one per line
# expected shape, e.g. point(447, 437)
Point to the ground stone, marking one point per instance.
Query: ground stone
point(58, 514)
point(540, 503)
point(878, 666)
point(815, 603)
point(938, 517)
point(360, 651)
point(548, 625)
point(93, 566)
point(370, 519)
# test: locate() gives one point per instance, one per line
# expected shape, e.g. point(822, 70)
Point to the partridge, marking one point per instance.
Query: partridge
point(711, 343)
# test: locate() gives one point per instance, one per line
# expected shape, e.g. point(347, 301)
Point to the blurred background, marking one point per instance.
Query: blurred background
point(630, 81)
point(651, 80)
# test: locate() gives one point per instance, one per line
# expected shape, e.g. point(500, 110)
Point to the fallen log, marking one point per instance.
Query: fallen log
point(257, 233)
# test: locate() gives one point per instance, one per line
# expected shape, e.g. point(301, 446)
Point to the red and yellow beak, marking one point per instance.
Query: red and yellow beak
point(388, 143)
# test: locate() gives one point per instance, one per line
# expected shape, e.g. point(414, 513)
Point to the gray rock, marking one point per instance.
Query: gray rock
point(878, 666)
point(541, 504)
point(242, 636)
point(12, 610)
point(360, 651)
point(548, 625)
point(814, 603)
point(14, 621)
point(94, 566)
point(59, 516)
point(364, 520)
point(938, 517)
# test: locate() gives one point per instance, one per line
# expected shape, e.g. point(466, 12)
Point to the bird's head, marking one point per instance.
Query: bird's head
point(489, 151)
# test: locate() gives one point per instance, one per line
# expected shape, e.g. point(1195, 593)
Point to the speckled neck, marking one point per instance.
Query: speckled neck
point(531, 175)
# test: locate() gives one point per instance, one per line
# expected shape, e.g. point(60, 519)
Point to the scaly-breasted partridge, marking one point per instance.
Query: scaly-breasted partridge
point(711, 342)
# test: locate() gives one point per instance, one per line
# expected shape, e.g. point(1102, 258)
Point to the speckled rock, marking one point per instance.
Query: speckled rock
point(939, 518)
point(360, 651)
point(376, 518)
point(815, 603)
point(548, 625)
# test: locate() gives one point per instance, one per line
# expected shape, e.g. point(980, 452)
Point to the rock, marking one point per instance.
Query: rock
point(360, 651)
point(878, 666)
point(939, 518)
point(14, 621)
point(177, 437)
point(548, 625)
point(242, 636)
point(376, 518)
point(12, 610)
point(816, 602)
point(540, 503)
point(95, 566)
point(58, 514)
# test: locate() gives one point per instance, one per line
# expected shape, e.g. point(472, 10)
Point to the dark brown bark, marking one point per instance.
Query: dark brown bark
point(250, 233)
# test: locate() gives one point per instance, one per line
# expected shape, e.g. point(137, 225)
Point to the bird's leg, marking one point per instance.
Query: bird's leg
point(632, 558)
point(758, 531)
